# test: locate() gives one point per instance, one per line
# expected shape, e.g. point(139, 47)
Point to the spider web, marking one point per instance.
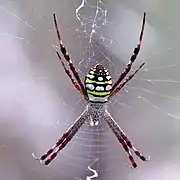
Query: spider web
point(30, 94)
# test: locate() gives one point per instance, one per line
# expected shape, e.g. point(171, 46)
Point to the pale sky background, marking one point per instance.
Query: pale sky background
point(38, 102)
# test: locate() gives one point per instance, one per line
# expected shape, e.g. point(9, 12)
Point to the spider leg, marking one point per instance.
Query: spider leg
point(69, 74)
point(120, 139)
point(66, 56)
point(132, 58)
point(59, 142)
point(125, 81)
point(66, 137)
point(133, 148)
point(119, 133)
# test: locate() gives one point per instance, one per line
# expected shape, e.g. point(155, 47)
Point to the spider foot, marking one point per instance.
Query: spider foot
point(35, 157)
point(47, 162)
point(145, 159)
point(148, 158)
point(44, 162)
point(133, 166)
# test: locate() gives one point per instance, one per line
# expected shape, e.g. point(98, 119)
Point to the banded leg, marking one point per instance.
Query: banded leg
point(66, 56)
point(133, 57)
point(122, 141)
point(119, 133)
point(65, 142)
point(69, 74)
point(66, 137)
point(126, 81)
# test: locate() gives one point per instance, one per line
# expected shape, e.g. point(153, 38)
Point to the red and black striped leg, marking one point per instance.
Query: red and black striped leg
point(134, 165)
point(126, 139)
point(61, 143)
point(50, 151)
point(121, 85)
point(119, 133)
point(120, 139)
point(133, 57)
point(69, 74)
point(67, 57)
point(74, 129)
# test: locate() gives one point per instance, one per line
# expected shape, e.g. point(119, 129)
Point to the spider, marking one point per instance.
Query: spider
point(96, 91)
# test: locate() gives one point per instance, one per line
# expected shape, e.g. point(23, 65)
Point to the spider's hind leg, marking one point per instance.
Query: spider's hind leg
point(50, 151)
point(63, 141)
point(133, 148)
point(121, 140)
point(69, 61)
point(121, 136)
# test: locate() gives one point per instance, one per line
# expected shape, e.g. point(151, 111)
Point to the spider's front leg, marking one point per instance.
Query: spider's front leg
point(132, 58)
point(121, 136)
point(63, 141)
point(122, 84)
point(69, 61)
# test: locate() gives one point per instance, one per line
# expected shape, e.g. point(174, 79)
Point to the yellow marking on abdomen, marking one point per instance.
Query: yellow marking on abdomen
point(98, 93)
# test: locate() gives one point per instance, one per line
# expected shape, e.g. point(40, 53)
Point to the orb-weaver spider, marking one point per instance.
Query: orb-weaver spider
point(97, 90)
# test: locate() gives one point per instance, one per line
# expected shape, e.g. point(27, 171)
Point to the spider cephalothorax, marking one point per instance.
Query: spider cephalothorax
point(97, 91)
point(98, 84)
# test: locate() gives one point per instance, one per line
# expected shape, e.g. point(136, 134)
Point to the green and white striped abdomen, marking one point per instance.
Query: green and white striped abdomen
point(98, 84)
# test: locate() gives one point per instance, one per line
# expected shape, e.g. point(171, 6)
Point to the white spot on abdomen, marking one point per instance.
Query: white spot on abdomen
point(90, 76)
point(108, 77)
point(108, 87)
point(100, 78)
point(99, 88)
point(90, 86)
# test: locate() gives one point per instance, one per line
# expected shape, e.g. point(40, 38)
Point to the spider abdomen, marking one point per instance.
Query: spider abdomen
point(98, 84)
